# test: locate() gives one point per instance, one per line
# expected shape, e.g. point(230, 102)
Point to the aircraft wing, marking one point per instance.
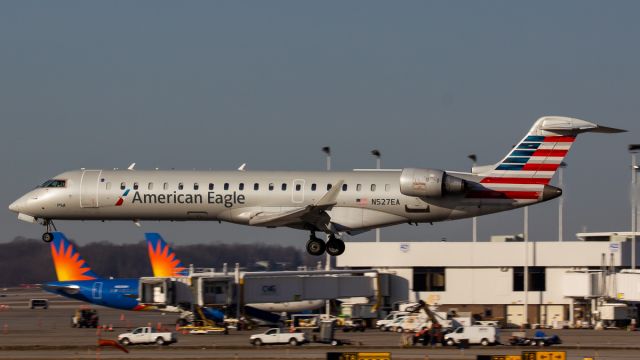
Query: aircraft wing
point(69, 289)
point(314, 214)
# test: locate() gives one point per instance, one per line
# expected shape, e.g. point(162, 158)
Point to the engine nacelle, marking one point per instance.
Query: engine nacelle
point(430, 183)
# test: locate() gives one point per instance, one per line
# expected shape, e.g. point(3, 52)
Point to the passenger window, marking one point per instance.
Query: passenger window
point(298, 187)
point(150, 186)
point(108, 186)
point(344, 187)
point(313, 187)
point(284, 186)
point(256, 186)
point(196, 186)
point(135, 186)
point(180, 186)
point(358, 187)
point(271, 186)
point(329, 187)
point(123, 186)
point(226, 186)
point(241, 186)
point(373, 187)
point(165, 186)
point(210, 186)
point(387, 187)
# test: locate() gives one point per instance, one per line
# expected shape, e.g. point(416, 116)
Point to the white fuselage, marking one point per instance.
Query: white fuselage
point(368, 199)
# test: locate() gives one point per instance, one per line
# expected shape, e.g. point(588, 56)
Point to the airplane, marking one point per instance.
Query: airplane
point(76, 280)
point(331, 202)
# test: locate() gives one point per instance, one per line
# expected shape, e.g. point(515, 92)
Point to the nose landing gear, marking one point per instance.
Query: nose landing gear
point(48, 236)
point(317, 247)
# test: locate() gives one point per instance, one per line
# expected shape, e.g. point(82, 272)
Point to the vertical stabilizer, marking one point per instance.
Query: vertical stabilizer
point(163, 260)
point(70, 266)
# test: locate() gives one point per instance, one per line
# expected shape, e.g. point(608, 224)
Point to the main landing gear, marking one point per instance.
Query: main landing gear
point(317, 247)
point(48, 236)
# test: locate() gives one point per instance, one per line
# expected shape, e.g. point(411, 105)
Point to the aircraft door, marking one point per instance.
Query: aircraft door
point(96, 292)
point(297, 191)
point(89, 188)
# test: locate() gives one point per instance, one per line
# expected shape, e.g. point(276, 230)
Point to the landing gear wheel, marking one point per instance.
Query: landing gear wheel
point(47, 237)
point(335, 247)
point(315, 246)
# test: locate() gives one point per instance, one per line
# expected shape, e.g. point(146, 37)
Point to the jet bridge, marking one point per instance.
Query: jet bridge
point(223, 289)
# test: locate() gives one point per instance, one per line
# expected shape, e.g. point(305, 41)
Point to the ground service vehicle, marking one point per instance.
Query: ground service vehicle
point(43, 303)
point(85, 318)
point(380, 324)
point(483, 335)
point(519, 338)
point(147, 335)
point(277, 336)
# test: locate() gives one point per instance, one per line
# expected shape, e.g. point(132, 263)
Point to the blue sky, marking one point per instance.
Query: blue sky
point(211, 85)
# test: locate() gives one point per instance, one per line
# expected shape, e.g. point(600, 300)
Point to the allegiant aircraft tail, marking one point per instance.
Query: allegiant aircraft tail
point(163, 260)
point(70, 266)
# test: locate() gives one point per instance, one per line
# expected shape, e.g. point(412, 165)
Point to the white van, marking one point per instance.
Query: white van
point(483, 335)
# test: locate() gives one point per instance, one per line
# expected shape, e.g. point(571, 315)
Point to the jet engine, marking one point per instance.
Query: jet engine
point(430, 183)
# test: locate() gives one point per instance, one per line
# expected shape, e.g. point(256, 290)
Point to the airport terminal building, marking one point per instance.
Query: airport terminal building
point(566, 279)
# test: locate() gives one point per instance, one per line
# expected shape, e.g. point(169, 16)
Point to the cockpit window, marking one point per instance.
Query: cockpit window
point(53, 183)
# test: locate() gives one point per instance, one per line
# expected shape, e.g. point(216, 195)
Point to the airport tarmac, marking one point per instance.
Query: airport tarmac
point(47, 334)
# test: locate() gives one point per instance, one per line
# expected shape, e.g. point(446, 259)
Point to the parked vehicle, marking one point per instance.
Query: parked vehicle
point(87, 318)
point(147, 335)
point(393, 325)
point(519, 338)
point(382, 323)
point(483, 335)
point(36, 303)
point(277, 336)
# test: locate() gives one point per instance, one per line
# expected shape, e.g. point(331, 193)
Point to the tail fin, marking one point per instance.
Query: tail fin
point(163, 259)
point(535, 159)
point(69, 264)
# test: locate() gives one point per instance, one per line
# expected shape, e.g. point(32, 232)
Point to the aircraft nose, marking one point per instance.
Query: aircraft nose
point(16, 205)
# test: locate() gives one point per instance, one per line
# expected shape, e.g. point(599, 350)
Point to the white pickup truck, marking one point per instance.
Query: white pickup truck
point(146, 335)
point(275, 336)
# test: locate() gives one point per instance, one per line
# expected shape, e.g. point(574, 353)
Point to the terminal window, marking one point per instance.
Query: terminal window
point(537, 278)
point(428, 279)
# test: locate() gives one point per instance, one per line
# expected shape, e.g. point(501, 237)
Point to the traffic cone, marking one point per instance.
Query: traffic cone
point(159, 326)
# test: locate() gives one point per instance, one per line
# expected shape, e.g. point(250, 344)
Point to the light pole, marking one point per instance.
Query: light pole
point(633, 149)
point(561, 200)
point(474, 229)
point(377, 154)
point(526, 264)
point(327, 264)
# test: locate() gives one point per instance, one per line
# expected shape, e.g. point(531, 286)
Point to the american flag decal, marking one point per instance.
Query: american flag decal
point(362, 201)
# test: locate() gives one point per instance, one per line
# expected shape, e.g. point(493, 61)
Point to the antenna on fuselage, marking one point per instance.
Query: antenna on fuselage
point(131, 166)
point(241, 168)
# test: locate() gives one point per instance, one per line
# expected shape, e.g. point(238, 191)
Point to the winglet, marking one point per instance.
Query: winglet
point(163, 259)
point(331, 197)
point(70, 266)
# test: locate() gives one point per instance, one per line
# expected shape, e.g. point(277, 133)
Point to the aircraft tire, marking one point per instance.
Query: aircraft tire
point(315, 246)
point(47, 237)
point(335, 247)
